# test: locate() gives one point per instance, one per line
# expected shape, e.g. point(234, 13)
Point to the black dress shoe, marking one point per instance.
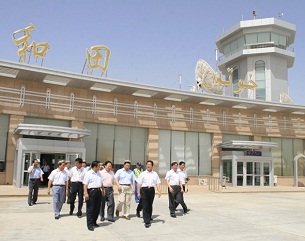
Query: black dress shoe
point(138, 214)
point(71, 212)
point(102, 219)
point(96, 225)
point(111, 220)
point(91, 228)
point(57, 217)
point(173, 215)
point(186, 211)
point(30, 204)
point(151, 219)
point(147, 225)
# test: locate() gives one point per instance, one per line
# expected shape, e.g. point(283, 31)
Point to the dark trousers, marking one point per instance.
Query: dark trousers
point(139, 207)
point(33, 190)
point(173, 198)
point(76, 188)
point(182, 201)
point(93, 206)
point(69, 192)
point(147, 199)
point(45, 178)
point(109, 198)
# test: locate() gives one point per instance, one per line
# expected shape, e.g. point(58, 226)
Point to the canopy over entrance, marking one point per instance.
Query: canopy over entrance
point(51, 131)
point(247, 144)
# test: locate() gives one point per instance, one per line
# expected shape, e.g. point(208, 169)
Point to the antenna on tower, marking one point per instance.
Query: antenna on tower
point(254, 14)
point(281, 15)
point(180, 80)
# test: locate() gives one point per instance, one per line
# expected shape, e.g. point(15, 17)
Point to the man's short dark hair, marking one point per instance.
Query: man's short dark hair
point(182, 162)
point(150, 161)
point(106, 162)
point(79, 160)
point(174, 163)
point(95, 164)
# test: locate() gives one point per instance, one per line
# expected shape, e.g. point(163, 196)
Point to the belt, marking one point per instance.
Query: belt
point(94, 188)
point(34, 179)
point(107, 187)
point(124, 184)
point(148, 187)
point(78, 182)
point(59, 185)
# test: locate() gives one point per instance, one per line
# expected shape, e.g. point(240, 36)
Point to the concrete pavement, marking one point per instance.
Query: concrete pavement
point(214, 216)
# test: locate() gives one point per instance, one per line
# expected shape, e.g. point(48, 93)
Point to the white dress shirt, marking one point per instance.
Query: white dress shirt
point(173, 177)
point(77, 174)
point(93, 179)
point(58, 177)
point(148, 179)
point(183, 175)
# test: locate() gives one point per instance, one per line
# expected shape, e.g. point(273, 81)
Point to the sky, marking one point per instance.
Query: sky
point(151, 41)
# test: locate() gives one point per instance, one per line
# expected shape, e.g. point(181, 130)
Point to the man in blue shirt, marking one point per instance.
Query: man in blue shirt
point(35, 176)
point(124, 179)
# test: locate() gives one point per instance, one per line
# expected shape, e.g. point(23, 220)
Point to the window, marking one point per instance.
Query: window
point(4, 120)
point(235, 80)
point(191, 147)
point(260, 91)
point(116, 144)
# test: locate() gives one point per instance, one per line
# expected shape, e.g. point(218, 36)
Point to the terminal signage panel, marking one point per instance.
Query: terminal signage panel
point(253, 153)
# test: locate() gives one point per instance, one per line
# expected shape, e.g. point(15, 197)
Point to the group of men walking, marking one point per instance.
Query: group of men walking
point(96, 187)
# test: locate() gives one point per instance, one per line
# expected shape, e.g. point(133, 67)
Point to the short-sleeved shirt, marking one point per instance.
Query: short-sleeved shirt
point(107, 178)
point(92, 179)
point(35, 174)
point(183, 175)
point(149, 179)
point(173, 177)
point(124, 177)
point(58, 177)
point(77, 174)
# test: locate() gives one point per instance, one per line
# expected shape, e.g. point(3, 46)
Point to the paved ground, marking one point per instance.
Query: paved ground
point(214, 216)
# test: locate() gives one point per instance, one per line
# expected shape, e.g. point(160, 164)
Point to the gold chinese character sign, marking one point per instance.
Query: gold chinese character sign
point(98, 58)
point(22, 42)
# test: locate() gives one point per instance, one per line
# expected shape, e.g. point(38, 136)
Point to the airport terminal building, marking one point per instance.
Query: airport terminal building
point(247, 135)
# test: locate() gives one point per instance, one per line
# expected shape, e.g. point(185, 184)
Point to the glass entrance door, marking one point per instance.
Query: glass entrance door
point(253, 173)
point(27, 162)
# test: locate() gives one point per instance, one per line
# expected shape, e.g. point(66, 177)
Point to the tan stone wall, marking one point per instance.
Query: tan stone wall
point(215, 120)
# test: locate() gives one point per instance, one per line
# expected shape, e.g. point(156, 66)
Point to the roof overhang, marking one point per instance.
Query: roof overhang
point(39, 74)
point(247, 144)
point(51, 131)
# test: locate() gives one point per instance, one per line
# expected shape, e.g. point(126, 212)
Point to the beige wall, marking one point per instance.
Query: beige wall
point(207, 119)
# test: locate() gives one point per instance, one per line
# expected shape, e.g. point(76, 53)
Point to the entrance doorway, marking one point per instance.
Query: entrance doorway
point(48, 162)
point(253, 173)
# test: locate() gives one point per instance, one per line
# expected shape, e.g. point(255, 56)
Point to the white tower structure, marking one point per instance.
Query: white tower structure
point(258, 50)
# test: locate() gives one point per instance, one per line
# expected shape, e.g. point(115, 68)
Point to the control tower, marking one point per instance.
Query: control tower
point(258, 50)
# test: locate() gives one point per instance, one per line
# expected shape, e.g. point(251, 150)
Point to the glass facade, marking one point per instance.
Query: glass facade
point(260, 90)
point(191, 147)
point(284, 154)
point(116, 144)
point(255, 40)
point(4, 120)
point(235, 80)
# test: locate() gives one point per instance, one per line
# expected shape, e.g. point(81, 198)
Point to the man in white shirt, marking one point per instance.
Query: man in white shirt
point(183, 175)
point(124, 179)
point(35, 177)
point(107, 180)
point(59, 181)
point(175, 188)
point(146, 191)
point(67, 169)
point(76, 175)
point(93, 194)
point(46, 171)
